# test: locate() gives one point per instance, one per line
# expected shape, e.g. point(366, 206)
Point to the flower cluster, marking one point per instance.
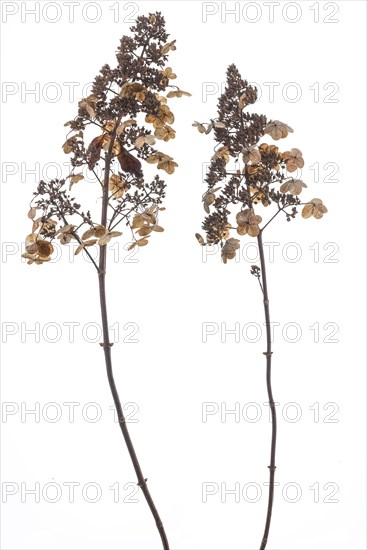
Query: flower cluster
point(114, 134)
point(262, 174)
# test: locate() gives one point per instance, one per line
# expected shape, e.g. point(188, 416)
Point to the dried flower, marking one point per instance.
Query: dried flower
point(164, 162)
point(164, 116)
point(229, 249)
point(116, 185)
point(209, 198)
point(201, 128)
point(248, 223)
point(314, 208)
point(293, 159)
point(132, 90)
point(37, 250)
point(168, 73)
point(222, 153)
point(178, 93)
point(277, 129)
point(169, 46)
point(66, 234)
point(145, 139)
point(292, 186)
point(251, 154)
point(74, 178)
point(88, 105)
point(166, 133)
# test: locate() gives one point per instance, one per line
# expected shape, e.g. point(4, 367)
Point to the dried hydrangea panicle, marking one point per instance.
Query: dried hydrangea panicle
point(245, 175)
point(113, 136)
point(250, 173)
point(128, 113)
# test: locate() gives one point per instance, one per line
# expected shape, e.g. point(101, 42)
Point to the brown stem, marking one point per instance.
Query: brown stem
point(142, 481)
point(268, 355)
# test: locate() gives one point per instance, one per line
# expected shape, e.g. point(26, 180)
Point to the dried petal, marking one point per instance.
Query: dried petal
point(142, 242)
point(32, 213)
point(200, 239)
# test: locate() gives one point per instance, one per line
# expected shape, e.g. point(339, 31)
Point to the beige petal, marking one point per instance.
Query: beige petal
point(99, 231)
point(253, 230)
point(90, 243)
point(242, 229)
point(66, 228)
point(142, 242)
point(30, 239)
point(139, 142)
point(32, 213)
point(152, 159)
point(32, 248)
point(104, 240)
point(138, 221)
point(79, 249)
point(144, 231)
point(307, 210)
point(88, 233)
point(199, 239)
point(150, 140)
point(243, 217)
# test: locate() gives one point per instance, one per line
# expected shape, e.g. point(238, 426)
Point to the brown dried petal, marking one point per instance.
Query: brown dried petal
point(307, 210)
point(243, 217)
point(200, 127)
point(88, 233)
point(99, 231)
point(253, 230)
point(90, 243)
point(105, 239)
point(142, 242)
point(32, 213)
point(79, 249)
point(200, 239)
point(94, 151)
point(144, 231)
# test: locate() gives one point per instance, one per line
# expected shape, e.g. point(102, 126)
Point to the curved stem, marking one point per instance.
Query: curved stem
point(268, 355)
point(142, 481)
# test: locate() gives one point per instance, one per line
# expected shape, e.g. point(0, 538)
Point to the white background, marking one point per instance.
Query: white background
point(173, 289)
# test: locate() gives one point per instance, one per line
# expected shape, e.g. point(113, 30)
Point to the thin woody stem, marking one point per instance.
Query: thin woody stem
point(268, 355)
point(142, 481)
